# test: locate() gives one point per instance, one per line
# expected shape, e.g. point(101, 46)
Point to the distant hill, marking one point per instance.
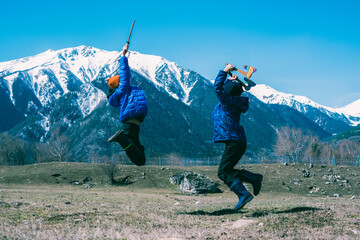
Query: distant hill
point(351, 134)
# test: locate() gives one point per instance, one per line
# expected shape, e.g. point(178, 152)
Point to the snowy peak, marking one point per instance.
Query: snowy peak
point(268, 95)
point(351, 109)
point(83, 61)
point(163, 73)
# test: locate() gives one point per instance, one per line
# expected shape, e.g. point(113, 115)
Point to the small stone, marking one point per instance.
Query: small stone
point(261, 224)
point(352, 197)
point(16, 204)
point(356, 232)
point(198, 202)
point(327, 183)
point(167, 168)
point(177, 204)
point(337, 195)
point(285, 163)
point(162, 168)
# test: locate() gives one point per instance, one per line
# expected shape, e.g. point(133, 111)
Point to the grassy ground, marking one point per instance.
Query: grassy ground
point(36, 205)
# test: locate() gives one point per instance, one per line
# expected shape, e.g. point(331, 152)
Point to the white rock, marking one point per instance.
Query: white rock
point(176, 204)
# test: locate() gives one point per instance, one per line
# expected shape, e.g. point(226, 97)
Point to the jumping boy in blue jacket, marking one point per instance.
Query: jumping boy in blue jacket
point(133, 108)
point(227, 129)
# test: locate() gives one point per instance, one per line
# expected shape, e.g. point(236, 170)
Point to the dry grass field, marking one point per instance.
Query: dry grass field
point(36, 205)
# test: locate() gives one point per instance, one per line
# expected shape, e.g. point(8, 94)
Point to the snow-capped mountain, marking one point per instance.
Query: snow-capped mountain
point(164, 74)
point(66, 89)
point(352, 109)
point(53, 73)
point(349, 114)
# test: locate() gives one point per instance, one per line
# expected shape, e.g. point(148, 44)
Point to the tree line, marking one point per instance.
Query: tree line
point(16, 151)
point(292, 146)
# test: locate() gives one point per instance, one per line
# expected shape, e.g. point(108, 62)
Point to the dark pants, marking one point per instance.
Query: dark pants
point(231, 156)
point(136, 151)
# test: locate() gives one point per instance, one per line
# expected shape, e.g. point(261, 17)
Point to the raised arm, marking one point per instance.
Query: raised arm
point(219, 83)
point(124, 73)
point(124, 83)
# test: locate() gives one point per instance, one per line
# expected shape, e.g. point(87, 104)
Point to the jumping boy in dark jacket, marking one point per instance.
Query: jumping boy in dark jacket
point(227, 129)
point(133, 109)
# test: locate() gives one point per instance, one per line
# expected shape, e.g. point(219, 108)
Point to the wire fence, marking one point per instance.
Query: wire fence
point(215, 161)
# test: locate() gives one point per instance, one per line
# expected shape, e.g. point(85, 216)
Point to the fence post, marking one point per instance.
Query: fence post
point(334, 162)
point(208, 161)
point(359, 160)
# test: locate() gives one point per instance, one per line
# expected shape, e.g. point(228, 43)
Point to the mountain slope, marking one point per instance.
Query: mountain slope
point(331, 120)
point(66, 89)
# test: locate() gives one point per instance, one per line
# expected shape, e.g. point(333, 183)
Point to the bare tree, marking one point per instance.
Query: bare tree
point(292, 143)
point(110, 168)
point(59, 145)
point(12, 151)
point(348, 150)
point(41, 152)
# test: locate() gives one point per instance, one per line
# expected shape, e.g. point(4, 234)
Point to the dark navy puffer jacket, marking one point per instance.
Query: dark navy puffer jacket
point(129, 98)
point(226, 115)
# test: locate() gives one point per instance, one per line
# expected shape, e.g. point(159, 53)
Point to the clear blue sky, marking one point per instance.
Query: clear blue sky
point(309, 48)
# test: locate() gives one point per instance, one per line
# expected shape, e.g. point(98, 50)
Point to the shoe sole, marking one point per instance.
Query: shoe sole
point(261, 178)
point(113, 137)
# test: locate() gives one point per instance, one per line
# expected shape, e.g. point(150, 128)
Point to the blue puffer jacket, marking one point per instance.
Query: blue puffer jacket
point(129, 98)
point(226, 115)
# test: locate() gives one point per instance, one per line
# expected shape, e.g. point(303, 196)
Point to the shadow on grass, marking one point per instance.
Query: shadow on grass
point(255, 214)
point(221, 212)
point(263, 213)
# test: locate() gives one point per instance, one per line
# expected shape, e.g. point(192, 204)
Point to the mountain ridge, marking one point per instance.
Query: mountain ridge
point(67, 88)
